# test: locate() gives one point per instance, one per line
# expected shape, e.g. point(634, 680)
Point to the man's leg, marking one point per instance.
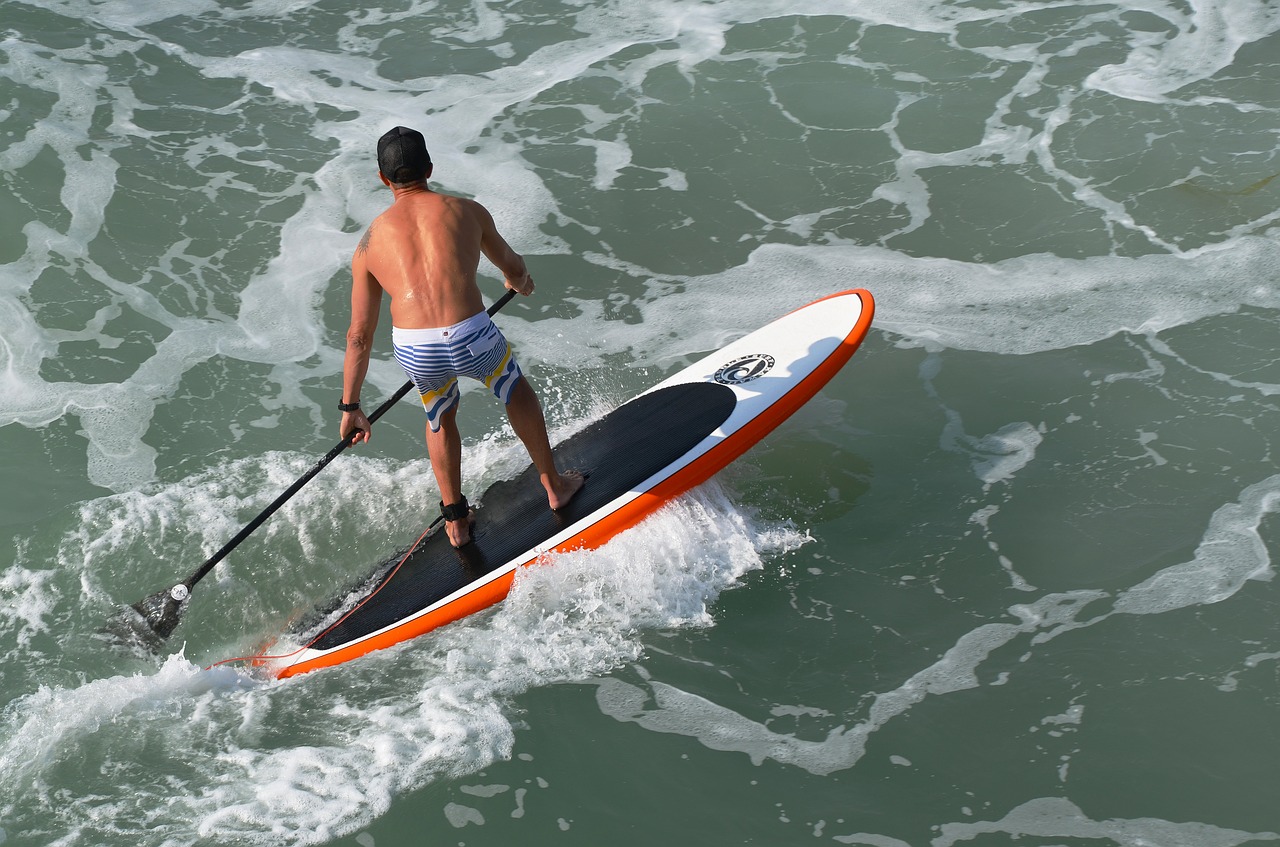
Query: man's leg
point(444, 446)
point(525, 413)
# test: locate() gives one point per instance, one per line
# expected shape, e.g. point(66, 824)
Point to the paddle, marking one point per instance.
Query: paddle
point(152, 620)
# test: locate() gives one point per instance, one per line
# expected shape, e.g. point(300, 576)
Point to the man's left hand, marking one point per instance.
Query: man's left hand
point(355, 422)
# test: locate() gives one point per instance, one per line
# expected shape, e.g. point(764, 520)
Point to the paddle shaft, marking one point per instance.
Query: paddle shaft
point(240, 536)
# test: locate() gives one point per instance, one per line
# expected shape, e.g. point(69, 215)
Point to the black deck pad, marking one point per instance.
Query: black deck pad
point(618, 452)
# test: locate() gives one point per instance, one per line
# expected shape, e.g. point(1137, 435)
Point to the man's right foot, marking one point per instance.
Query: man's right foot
point(560, 491)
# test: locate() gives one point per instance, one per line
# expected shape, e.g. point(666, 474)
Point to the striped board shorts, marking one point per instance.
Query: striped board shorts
point(435, 358)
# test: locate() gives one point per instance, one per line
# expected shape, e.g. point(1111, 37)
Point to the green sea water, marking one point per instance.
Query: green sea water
point(1006, 580)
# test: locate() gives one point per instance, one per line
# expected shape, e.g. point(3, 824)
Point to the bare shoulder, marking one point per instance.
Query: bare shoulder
point(463, 204)
point(378, 225)
point(476, 211)
point(363, 246)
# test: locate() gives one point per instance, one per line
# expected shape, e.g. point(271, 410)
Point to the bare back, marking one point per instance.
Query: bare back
point(424, 252)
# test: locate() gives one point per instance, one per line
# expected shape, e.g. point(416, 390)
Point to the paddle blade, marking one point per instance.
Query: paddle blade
point(151, 620)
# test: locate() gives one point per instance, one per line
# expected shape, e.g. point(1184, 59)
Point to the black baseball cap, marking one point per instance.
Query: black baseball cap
point(403, 156)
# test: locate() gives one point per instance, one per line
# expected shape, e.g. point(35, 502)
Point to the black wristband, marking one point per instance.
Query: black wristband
point(349, 407)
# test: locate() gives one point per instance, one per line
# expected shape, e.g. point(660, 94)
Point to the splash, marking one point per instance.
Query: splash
point(246, 759)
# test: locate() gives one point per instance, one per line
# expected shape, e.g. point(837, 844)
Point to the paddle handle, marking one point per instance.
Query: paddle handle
point(244, 533)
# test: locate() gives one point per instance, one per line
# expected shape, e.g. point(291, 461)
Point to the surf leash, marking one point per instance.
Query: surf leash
point(263, 658)
point(151, 620)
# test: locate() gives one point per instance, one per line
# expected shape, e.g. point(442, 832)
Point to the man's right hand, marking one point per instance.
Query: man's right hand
point(523, 285)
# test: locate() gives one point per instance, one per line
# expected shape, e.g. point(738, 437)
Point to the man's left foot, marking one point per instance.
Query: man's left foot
point(458, 519)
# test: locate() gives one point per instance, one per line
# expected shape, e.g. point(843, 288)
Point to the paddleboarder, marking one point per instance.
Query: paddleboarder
point(424, 252)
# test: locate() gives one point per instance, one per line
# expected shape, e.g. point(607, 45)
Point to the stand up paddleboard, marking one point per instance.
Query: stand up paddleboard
point(664, 442)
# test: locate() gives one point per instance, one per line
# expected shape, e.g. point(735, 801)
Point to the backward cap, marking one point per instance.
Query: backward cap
point(403, 156)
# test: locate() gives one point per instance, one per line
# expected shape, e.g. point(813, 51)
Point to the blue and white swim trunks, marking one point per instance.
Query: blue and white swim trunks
point(435, 358)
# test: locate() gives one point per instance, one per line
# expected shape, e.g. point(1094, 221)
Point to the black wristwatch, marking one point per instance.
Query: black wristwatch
point(349, 407)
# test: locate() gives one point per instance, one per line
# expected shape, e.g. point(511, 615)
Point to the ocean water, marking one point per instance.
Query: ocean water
point(1007, 579)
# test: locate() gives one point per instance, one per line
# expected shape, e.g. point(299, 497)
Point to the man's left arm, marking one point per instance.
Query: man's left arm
point(366, 301)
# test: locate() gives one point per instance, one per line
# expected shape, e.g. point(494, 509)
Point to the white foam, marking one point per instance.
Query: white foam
point(1072, 716)
point(870, 839)
point(1207, 35)
point(1230, 554)
point(124, 14)
point(720, 728)
point(1005, 451)
point(47, 726)
point(460, 816)
point(1266, 389)
point(1230, 681)
point(27, 599)
point(664, 574)
point(1058, 817)
point(1038, 303)
point(1018, 307)
point(253, 770)
point(714, 726)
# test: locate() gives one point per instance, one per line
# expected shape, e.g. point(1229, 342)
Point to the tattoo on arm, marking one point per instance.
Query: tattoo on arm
point(364, 242)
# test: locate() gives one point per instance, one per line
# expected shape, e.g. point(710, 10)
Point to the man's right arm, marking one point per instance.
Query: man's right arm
point(498, 251)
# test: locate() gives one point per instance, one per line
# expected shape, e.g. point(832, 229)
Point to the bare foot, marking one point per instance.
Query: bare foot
point(562, 488)
point(459, 531)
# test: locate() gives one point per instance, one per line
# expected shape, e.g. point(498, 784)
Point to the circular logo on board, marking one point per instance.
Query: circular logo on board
point(744, 369)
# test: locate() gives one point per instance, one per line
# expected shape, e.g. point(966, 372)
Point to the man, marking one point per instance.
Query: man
point(423, 252)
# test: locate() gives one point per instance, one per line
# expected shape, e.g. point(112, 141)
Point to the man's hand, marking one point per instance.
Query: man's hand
point(522, 285)
point(355, 422)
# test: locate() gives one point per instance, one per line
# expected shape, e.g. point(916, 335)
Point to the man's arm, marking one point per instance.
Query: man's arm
point(498, 251)
point(366, 301)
